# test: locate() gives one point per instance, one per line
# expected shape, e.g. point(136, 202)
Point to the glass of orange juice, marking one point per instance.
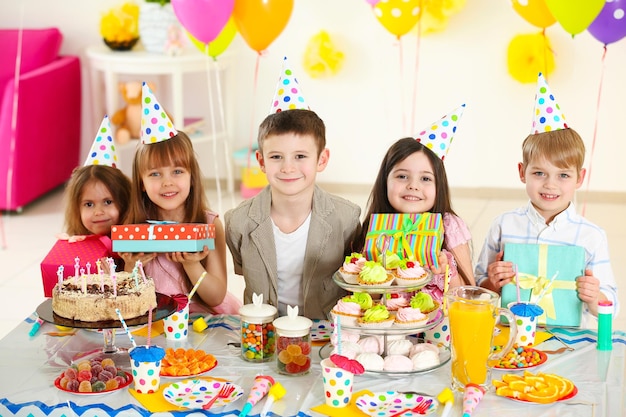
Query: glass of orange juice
point(472, 312)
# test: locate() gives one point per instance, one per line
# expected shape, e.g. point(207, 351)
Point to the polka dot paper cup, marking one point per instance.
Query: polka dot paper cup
point(526, 323)
point(145, 365)
point(338, 384)
point(440, 334)
point(176, 326)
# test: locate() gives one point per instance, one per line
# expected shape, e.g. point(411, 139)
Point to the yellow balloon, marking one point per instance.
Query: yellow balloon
point(535, 12)
point(261, 21)
point(528, 55)
point(575, 15)
point(398, 16)
point(221, 41)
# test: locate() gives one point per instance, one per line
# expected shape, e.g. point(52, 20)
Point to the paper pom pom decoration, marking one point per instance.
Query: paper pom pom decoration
point(288, 95)
point(321, 58)
point(528, 55)
point(547, 115)
point(438, 136)
point(436, 15)
point(103, 148)
point(156, 125)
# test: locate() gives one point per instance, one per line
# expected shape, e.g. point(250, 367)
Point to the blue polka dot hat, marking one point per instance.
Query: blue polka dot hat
point(288, 95)
point(102, 150)
point(156, 125)
point(547, 115)
point(438, 136)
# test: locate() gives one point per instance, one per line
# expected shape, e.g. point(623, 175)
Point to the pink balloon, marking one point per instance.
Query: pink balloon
point(372, 2)
point(610, 25)
point(204, 19)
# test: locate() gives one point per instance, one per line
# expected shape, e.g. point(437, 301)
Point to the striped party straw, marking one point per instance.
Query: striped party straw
point(130, 335)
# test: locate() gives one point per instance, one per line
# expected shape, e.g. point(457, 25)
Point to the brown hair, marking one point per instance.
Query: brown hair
point(564, 148)
point(297, 121)
point(113, 179)
point(176, 151)
point(378, 201)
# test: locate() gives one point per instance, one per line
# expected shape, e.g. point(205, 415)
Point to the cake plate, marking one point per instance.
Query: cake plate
point(166, 305)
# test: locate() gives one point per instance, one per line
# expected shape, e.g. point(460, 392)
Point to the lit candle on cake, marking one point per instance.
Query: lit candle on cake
point(84, 280)
point(135, 273)
point(113, 276)
point(88, 265)
point(76, 268)
point(60, 275)
point(143, 274)
point(99, 269)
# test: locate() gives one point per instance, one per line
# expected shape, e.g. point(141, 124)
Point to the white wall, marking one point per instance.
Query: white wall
point(362, 105)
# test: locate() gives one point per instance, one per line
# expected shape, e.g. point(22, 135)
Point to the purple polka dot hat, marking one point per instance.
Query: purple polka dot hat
point(102, 150)
point(156, 125)
point(438, 136)
point(288, 94)
point(547, 115)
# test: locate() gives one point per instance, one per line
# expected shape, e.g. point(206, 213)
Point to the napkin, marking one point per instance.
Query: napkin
point(156, 403)
point(157, 329)
point(351, 410)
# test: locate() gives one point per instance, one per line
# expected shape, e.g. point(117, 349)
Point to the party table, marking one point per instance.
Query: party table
point(29, 366)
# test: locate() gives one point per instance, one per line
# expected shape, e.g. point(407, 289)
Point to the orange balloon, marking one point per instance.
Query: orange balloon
point(398, 16)
point(535, 12)
point(261, 21)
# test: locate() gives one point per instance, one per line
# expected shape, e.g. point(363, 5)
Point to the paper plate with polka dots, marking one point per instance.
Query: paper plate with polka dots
point(194, 393)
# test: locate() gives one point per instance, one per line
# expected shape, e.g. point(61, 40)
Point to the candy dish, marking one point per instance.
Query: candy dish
point(542, 359)
point(390, 403)
point(180, 377)
point(195, 393)
point(183, 363)
point(129, 379)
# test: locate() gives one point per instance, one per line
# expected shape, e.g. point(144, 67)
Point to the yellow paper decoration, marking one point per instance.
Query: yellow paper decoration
point(436, 14)
point(528, 55)
point(120, 24)
point(321, 58)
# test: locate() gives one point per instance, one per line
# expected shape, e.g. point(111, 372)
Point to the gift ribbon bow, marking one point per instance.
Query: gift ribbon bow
point(540, 283)
point(151, 235)
point(408, 227)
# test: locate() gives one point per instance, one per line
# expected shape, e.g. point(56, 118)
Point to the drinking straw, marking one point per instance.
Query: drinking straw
point(130, 336)
point(543, 292)
point(446, 285)
point(195, 287)
point(338, 332)
point(517, 283)
point(149, 327)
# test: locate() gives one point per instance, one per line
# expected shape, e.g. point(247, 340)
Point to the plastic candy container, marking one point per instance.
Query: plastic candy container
point(258, 338)
point(294, 343)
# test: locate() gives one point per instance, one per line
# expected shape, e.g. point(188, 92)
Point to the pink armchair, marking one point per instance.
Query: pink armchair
point(46, 143)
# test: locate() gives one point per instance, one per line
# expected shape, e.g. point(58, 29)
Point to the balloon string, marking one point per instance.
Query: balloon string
point(416, 70)
point(545, 53)
point(252, 115)
point(220, 107)
point(595, 131)
point(213, 129)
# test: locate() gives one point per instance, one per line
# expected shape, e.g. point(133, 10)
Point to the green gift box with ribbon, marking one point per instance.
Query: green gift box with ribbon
point(547, 273)
point(410, 235)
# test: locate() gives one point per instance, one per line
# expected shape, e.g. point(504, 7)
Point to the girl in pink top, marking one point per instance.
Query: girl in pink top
point(167, 186)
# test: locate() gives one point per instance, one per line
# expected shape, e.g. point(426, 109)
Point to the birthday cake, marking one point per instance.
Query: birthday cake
point(93, 297)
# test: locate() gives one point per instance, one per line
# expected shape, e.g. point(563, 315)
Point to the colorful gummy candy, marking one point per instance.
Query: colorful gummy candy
point(294, 354)
point(96, 375)
point(519, 357)
point(258, 341)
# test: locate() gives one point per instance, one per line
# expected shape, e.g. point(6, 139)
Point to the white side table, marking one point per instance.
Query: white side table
point(107, 65)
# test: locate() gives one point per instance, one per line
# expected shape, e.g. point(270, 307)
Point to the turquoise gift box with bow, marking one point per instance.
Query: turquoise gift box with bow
point(411, 236)
point(161, 236)
point(548, 273)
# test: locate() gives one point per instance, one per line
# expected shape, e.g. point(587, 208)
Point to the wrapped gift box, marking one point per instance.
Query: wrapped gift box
point(68, 254)
point(411, 236)
point(536, 265)
point(163, 237)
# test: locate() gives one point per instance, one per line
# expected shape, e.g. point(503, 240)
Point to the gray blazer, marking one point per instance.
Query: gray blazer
point(335, 222)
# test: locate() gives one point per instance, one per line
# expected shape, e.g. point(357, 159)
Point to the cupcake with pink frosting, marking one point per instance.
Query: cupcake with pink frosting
point(410, 317)
point(410, 273)
point(351, 267)
point(347, 311)
point(395, 302)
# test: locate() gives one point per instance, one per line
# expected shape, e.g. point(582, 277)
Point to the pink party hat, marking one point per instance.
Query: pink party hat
point(288, 95)
point(156, 125)
point(547, 115)
point(103, 148)
point(472, 396)
point(438, 136)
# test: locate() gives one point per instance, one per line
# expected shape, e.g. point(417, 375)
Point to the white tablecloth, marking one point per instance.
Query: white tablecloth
point(29, 365)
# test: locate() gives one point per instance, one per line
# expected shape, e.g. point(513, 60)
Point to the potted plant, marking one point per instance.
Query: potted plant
point(156, 18)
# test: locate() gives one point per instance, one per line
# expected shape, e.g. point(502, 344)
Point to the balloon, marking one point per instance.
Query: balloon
point(575, 15)
point(398, 16)
point(204, 19)
point(261, 21)
point(372, 2)
point(610, 25)
point(528, 55)
point(535, 12)
point(220, 43)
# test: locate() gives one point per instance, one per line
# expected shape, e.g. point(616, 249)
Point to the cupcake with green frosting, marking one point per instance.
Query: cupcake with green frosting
point(426, 304)
point(376, 317)
point(374, 274)
point(361, 298)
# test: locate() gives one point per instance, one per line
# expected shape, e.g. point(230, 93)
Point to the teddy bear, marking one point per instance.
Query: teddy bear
point(127, 120)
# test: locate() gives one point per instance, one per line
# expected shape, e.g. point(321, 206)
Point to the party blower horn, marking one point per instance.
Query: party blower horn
point(276, 393)
point(262, 385)
point(472, 396)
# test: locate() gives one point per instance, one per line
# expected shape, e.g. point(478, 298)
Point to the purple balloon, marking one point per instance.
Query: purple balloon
point(204, 19)
point(610, 25)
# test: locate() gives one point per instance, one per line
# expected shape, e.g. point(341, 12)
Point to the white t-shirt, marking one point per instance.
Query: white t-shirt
point(290, 249)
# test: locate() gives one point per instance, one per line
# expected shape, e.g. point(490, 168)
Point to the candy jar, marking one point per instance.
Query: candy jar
point(258, 338)
point(293, 348)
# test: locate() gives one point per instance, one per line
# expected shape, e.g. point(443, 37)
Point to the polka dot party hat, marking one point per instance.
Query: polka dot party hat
point(547, 115)
point(156, 125)
point(438, 136)
point(102, 150)
point(288, 95)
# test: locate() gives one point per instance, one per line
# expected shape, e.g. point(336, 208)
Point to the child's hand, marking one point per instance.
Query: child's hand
point(499, 273)
point(588, 288)
point(131, 258)
point(188, 257)
point(443, 262)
